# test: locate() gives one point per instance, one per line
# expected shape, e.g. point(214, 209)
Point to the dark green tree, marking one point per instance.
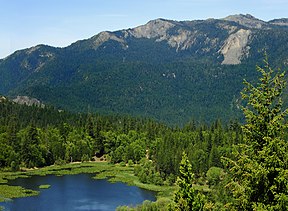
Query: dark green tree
point(259, 172)
point(30, 152)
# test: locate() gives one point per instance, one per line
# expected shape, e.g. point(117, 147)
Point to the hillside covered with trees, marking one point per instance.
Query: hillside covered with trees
point(171, 71)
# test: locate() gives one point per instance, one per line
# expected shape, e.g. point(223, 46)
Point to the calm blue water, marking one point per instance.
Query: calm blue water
point(76, 192)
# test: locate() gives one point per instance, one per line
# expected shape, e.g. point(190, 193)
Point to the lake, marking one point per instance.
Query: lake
point(76, 192)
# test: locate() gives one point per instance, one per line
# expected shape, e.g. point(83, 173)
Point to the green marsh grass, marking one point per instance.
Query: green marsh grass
point(44, 186)
point(8, 192)
point(102, 170)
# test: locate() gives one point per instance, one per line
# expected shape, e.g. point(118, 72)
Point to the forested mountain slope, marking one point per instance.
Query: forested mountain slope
point(169, 70)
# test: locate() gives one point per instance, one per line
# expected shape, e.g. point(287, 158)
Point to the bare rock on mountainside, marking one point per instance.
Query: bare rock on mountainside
point(104, 37)
point(186, 35)
point(25, 100)
point(235, 47)
point(2, 99)
point(153, 29)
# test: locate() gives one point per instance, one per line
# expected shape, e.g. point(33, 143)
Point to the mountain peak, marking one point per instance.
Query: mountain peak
point(240, 17)
point(153, 29)
point(246, 20)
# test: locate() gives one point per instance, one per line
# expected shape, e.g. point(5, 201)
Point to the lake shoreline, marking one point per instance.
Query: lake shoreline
point(102, 170)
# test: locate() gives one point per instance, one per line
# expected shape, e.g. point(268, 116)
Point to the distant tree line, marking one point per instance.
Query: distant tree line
point(35, 137)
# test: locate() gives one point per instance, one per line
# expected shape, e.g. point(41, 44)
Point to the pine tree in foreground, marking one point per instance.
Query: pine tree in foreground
point(186, 198)
point(259, 174)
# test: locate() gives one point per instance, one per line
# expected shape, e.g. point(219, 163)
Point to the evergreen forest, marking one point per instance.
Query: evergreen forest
point(243, 165)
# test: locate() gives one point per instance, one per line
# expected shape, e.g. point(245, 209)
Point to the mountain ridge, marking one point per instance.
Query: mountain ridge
point(238, 18)
point(166, 69)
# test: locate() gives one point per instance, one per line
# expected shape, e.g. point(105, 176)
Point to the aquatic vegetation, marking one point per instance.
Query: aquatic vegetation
point(8, 192)
point(44, 186)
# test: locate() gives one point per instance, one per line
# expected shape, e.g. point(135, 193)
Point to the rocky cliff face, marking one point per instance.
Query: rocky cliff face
point(2, 99)
point(106, 36)
point(236, 47)
point(25, 100)
point(153, 29)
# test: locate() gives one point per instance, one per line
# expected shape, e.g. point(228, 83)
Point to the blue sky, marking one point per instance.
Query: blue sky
point(26, 23)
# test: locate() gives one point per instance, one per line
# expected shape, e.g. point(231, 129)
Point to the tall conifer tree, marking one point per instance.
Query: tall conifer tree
point(186, 198)
point(259, 173)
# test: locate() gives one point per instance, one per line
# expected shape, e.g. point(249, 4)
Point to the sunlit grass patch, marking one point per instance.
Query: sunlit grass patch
point(8, 192)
